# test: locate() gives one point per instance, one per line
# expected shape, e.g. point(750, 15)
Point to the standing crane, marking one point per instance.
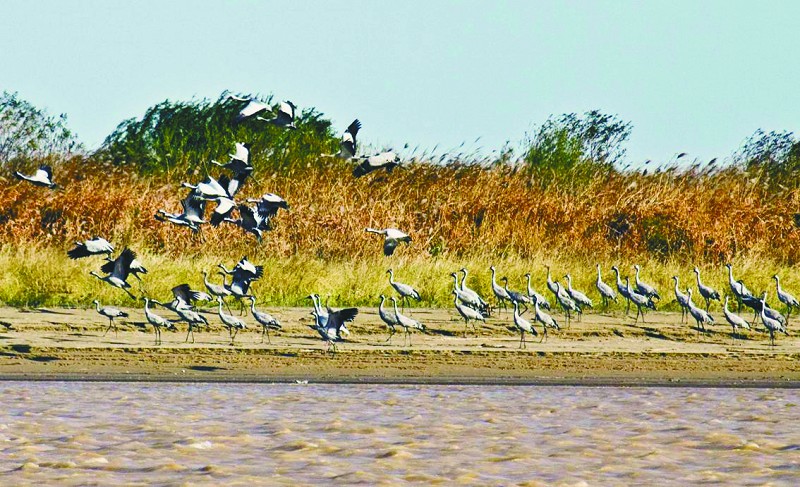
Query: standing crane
point(232, 323)
point(468, 299)
point(157, 321)
point(708, 293)
point(581, 299)
point(533, 294)
point(388, 318)
point(623, 290)
point(522, 325)
point(700, 315)
point(216, 289)
point(606, 293)
point(738, 288)
point(263, 318)
point(404, 290)
point(468, 314)
point(407, 323)
point(516, 297)
point(785, 298)
point(545, 319)
point(483, 305)
point(736, 321)
point(110, 313)
point(682, 299)
point(499, 293)
point(640, 300)
point(771, 324)
point(567, 303)
point(643, 288)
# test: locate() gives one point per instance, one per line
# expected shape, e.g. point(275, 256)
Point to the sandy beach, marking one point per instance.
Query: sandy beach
point(68, 344)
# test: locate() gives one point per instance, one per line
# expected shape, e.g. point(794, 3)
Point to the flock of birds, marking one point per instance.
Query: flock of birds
point(330, 324)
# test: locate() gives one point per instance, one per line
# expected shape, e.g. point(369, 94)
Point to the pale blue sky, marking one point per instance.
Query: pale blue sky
point(693, 76)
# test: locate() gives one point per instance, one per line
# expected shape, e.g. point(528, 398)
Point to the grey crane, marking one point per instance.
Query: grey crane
point(391, 238)
point(755, 304)
point(244, 273)
point(93, 246)
point(639, 300)
point(700, 315)
point(330, 330)
point(623, 289)
point(193, 213)
point(404, 290)
point(499, 293)
point(522, 325)
point(581, 299)
point(185, 297)
point(157, 321)
point(266, 320)
point(208, 189)
point(239, 162)
point(708, 293)
point(407, 323)
point(192, 318)
point(738, 288)
point(232, 323)
point(682, 299)
point(110, 313)
point(267, 208)
point(550, 284)
point(736, 321)
point(483, 305)
point(120, 269)
point(216, 289)
point(466, 298)
point(42, 177)
point(514, 296)
point(567, 303)
point(285, 116)
point(388, 318)
point(533, 294)
point(606, 292)
point(249, 220)
point(785, 298)
point(324, 313)
point(545, 319)
point(253, 107)
point(643, 288)
point(770, 323)
point(348, 146)
point(385, 160)
point(135, 267)
point(468, 314)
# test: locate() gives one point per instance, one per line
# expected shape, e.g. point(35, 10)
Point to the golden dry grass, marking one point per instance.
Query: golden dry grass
point(458, 215)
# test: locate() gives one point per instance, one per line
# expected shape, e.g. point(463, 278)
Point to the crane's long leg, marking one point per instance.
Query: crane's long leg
point(391, 334)
point(708, 304)
point(521, 338)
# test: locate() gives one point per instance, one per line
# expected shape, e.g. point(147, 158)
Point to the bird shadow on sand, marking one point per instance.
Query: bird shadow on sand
point(205, 368)
point(45, 310)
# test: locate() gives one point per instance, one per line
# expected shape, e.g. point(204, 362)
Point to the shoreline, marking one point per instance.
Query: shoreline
point(603, 350)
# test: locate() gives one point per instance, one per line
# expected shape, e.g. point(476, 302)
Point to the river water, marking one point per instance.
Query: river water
point(274, 434)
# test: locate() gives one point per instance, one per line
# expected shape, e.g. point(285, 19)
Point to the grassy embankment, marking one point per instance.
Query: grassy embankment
point(458, 216)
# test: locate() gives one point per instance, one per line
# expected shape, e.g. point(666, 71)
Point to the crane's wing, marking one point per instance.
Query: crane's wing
point(389, 245)
point(79, 251)
point(338, 318)
point(223, 210)
point(182, 292)
point(251, 109)
point(122, 266)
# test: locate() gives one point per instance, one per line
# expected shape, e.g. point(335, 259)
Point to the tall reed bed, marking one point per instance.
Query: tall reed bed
point(458, 215)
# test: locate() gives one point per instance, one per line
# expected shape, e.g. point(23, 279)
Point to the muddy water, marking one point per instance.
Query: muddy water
point(263, 434)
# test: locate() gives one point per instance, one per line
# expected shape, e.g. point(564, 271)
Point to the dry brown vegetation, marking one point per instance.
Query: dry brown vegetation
point(461, 211)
